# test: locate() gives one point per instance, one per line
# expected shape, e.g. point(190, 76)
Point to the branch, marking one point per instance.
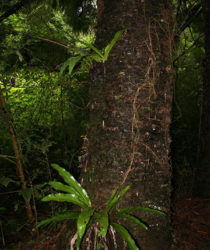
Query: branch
point(36, 37)
point(192, 14)
point(188, 49)
point(43, 39)
point(7, 157)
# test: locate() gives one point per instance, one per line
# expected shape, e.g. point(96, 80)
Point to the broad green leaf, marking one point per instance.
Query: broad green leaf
point(71, 62)
point(133, 218)
point(60, 186)
point(90, 222)
point(103, 220)
point(96, 57)
point(82, 222)
point(111, 198)
point(69, 179)
point(59, 217)
point(64, 66)
point(126, 236)
point(96, 50)
point(60, 197)
point(110, 45)
point(129, 209)
point(117, 199)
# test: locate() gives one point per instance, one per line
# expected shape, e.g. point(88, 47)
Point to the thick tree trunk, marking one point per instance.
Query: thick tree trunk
point(130, 113)
point(202, 176)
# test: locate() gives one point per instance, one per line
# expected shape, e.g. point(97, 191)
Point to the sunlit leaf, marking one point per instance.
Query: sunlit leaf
point(103, 220)
point(62, 187)
point(133, 218)
point(69, 179)
point(59, 217)
point(126, 235)
point(96, 50)
point(82, 222)
point(111, 198)
point(71, 63)
point(129, 209)
point(116, 200)
point(110, 45)
point(96, 57)
point(60, 197)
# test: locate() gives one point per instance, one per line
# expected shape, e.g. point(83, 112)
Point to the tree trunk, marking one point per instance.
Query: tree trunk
point(202, 176)
point(130, 109)
point(17, 157)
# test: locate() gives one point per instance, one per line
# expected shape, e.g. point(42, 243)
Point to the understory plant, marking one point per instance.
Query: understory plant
point(88, 215)
point(100, 56)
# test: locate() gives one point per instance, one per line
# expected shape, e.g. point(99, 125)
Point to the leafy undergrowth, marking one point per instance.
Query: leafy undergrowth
point(192, 224)
point(49, 238)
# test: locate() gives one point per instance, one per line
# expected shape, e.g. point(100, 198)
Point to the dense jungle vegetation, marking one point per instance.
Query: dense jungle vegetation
point(44, 116)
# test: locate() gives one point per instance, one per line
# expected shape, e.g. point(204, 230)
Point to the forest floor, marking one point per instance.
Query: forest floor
point(191, 222)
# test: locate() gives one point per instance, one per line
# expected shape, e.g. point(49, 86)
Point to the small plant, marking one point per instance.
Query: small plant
point(76, 194)
point(85, 55)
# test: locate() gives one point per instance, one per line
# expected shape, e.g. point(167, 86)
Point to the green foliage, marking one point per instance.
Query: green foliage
point(80, 14)
point(48, 109)
point(102, 56)
point(5, 181)
point(125, 235)
point(82, 223)
point(87, 57)
point(60, 217)
point(106, 218)
point(71, 63)
point(186, 106)
point(77, 190)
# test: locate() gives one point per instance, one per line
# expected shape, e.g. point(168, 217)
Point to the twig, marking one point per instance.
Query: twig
point(72, 242)
point(36, 37)
point(11, 192)
point(6, 157)
point(188, 49)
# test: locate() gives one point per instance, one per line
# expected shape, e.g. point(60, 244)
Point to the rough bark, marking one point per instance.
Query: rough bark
point(202, 175)
point(17, 157)
point(130, 113)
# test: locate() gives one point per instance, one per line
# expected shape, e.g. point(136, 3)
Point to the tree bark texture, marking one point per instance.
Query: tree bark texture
point(130, 109)
point(202, 175)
